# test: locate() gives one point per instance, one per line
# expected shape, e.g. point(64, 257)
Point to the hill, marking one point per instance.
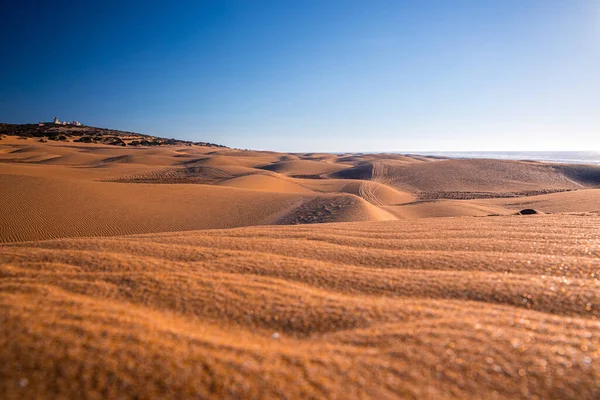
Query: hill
point(90, 134)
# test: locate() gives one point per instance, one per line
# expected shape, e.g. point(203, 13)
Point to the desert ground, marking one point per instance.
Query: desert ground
point(185, 271)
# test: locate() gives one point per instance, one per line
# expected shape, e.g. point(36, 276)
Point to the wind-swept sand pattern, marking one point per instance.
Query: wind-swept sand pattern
point(502, 307)
point(198, 272)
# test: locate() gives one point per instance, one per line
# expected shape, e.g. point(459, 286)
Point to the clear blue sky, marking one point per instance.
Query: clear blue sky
point(331, 75)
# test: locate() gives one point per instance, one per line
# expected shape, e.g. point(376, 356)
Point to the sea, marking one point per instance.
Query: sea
point(570, 157)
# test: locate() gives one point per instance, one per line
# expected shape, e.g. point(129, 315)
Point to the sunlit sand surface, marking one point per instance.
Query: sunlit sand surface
point(195, 272)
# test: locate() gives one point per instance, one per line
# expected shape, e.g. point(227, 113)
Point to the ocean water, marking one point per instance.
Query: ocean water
point(571, 157)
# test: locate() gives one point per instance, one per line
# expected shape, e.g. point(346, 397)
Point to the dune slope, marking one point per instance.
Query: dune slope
point(499, 307)
point(36, 208)
point(579, 201)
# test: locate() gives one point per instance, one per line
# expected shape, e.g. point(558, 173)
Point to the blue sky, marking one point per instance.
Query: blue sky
point(331, 75)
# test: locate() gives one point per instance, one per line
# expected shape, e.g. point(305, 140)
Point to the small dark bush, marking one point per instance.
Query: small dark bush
point(115, 141)
point(528, 211)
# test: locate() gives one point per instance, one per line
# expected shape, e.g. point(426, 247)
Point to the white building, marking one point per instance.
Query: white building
point(58, 122)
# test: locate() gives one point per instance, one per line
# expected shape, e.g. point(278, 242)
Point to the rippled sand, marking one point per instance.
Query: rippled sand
point(500, 307)
point(394, 305)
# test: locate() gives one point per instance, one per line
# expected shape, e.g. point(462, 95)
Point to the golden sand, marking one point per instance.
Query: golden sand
point(216, 292)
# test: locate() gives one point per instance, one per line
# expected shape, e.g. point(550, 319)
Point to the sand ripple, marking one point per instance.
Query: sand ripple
point(497, 307)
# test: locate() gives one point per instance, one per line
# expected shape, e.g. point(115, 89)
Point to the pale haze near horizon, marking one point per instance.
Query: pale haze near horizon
point(330, 76)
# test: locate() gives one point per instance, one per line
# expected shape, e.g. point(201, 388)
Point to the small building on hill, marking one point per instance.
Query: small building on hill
point(58, 122)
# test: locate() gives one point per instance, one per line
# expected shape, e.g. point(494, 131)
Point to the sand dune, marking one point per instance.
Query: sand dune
point(302, 167)
point(579, 201)
point(327, 157)
point(87, 189)
point(335, 208)
point(250, 274)
point(219, 161)
point(439, 308)
point(265, 183)
point(398, 185)
point(377, 193)
point(40, 208)
point(468, 175)
point(447, 208)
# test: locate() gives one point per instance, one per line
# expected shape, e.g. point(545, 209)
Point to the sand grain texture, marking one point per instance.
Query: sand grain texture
point(435, 309)
point(192, 272)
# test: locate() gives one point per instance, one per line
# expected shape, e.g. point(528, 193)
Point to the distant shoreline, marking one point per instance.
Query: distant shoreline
point(566, 157)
